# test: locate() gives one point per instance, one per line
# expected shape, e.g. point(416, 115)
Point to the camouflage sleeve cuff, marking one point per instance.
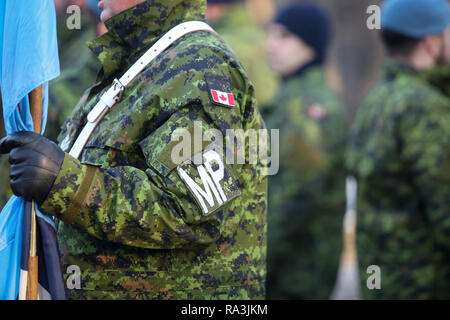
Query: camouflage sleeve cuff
point(69, 189)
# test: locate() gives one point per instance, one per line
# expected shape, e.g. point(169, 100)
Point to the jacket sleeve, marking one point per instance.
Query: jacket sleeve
point(165, 205)
point(152, 208)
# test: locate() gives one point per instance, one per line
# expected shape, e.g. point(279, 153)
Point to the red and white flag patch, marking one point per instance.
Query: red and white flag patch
point(224, 98)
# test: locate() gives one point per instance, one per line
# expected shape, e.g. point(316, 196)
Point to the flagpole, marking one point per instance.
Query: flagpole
point(35, 97)
point(36, 108)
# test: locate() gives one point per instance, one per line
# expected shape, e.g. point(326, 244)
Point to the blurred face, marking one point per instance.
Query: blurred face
point(285, 51)
point(435, 50)
point(112, 7)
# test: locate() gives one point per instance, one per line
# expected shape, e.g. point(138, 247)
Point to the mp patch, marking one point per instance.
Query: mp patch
point(210, 183)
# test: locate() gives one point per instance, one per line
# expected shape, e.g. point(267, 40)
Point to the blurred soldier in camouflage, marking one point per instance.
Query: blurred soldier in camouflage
point(230, 18)
point(130, 218)
point(80, 66)
point(306, 197)
point(400, 154)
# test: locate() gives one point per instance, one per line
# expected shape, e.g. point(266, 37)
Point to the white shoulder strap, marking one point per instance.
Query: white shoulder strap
point(112, 96)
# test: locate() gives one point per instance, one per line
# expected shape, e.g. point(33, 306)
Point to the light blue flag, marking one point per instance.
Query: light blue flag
point(28, 59)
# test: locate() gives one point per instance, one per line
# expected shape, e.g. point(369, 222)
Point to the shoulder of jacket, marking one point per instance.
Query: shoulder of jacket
point(404, 90)
point(204, 44)
point(204, 53)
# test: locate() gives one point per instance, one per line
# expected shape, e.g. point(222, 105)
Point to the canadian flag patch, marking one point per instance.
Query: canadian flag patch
point(224, 98)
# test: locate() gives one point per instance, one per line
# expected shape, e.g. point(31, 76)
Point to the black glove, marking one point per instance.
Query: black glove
point(35, 164)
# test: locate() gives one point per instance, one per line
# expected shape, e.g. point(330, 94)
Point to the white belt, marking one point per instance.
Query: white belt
point(112, 96)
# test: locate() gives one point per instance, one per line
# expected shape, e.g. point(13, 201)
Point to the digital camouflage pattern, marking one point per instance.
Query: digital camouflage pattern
point(306, 197)
point(247, 41)
point(439, 77)
point(400, 154)
point(127, 219)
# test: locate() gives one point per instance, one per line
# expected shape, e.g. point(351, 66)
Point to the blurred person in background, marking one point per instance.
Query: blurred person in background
point(71, 36)
point(79, 69)
point(306, 197)
point(231, 19)
point(400, 154)
point(80, 73)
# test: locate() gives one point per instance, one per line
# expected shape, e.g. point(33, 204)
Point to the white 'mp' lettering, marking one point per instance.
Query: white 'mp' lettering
point(210, 180)
point(217, 175)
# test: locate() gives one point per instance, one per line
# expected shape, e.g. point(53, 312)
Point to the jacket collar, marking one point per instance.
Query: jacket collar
point(136, 29)
point(392, 68)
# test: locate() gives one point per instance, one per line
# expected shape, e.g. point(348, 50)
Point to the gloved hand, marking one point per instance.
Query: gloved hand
point(35, 164)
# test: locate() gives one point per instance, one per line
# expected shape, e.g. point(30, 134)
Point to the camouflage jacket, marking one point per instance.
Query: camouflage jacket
point(400, 154)
point(79, 68)
point(136, 223)
point(306, 197)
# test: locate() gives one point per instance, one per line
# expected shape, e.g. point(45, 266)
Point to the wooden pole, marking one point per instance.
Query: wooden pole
point(35, 97)
point(32, 280)
point(36, 108)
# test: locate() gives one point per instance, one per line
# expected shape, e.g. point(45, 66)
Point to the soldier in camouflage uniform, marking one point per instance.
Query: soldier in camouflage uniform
point(232, 21)
point(306, 197)
point(400, 154)
point(129, 216)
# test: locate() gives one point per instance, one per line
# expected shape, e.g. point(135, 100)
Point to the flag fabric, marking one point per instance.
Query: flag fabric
point(28, 59)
